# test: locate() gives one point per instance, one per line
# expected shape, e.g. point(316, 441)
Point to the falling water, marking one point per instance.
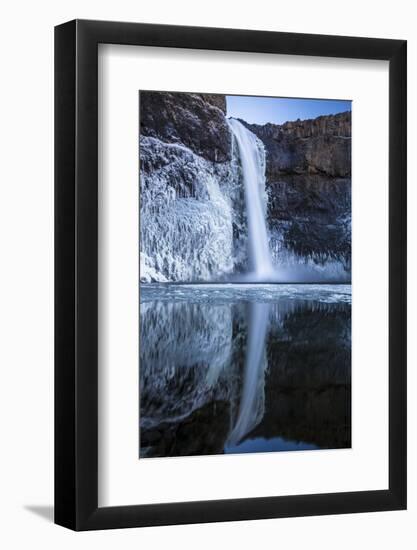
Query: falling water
point(253, 167)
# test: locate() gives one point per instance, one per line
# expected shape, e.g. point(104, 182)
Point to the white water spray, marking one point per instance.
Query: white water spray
point(253, 168)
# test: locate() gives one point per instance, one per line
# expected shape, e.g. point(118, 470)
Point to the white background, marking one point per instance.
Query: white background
point(123, 479)
point(26, 398)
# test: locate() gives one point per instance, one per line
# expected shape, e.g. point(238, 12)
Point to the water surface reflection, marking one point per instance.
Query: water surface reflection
point(244, 368)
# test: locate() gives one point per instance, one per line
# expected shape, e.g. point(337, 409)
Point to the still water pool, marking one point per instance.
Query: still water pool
point(244, 368)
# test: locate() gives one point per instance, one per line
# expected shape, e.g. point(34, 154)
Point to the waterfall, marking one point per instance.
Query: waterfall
point(252, 159)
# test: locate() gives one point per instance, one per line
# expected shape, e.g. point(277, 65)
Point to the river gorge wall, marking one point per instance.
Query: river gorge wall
point(193, 222)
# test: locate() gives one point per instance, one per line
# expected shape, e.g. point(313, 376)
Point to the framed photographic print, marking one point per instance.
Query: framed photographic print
point(230, 275)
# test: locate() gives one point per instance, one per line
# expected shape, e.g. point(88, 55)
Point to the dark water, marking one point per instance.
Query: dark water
point(244, 368)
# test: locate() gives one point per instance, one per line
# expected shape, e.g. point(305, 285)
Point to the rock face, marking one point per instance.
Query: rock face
point(194, 120)
point(308, 174)
point(326, 125)
point(318, 146)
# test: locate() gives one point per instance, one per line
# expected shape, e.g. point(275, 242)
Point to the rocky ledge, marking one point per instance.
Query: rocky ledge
point(195, 120)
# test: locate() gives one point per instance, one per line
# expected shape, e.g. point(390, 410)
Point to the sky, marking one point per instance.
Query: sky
point(260, 110)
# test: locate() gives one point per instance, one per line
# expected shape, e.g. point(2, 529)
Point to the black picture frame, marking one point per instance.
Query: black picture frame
point(76, 273)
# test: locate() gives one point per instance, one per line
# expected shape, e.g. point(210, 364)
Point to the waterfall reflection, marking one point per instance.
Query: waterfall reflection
point(230, 370)
point(251, 406)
